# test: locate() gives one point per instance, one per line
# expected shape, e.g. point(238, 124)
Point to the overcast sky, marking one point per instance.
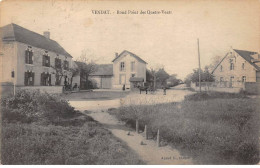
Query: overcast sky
point(161, 40)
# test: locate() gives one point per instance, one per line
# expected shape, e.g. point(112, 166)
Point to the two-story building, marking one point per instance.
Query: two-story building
point(127, 70)
point(29, 59)
point(238, 66)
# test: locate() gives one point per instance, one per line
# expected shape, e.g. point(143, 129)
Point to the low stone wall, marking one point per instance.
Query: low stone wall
point(6, 89)
point(43, 89)
point(217, 89)
point(252, 87)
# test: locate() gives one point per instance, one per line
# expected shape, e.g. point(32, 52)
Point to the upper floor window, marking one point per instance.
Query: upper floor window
point(46, 60)
point(29, 78)
point(243, 65)
point(29, 56)
point(132, 66)
point(66, 65)
point(122, 66)
point(231, 66)
point(57, 63)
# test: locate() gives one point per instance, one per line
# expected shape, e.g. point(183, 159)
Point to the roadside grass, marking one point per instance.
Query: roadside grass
point(95, 95)
point(213, 130)
point(42, 129)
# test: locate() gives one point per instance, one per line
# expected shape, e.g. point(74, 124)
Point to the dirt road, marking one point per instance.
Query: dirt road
point(148, 152)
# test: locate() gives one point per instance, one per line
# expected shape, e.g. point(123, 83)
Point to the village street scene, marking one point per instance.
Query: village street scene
point(129, 86)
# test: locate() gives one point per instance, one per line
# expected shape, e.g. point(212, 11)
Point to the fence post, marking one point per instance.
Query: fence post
point(158, 138)
point(145, 131)
point(137, 126)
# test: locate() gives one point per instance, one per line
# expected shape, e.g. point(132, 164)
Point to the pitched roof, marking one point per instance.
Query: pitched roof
point(14, 32)
point(132, 54)
point(244, 54)
point(103, 70)
point(247, 56)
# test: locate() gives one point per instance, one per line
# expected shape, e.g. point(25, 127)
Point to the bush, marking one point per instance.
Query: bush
point(214, 131)
point(214, 95)
point(32, 106)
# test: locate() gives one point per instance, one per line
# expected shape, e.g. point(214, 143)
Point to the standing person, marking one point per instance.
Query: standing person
point(124, 87)
point(164, 91)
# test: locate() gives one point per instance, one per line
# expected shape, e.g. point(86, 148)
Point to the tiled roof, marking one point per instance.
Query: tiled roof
point(132, 54)
point(247, 56)
point(14, 32)
point(244, 54)
point(103, 70)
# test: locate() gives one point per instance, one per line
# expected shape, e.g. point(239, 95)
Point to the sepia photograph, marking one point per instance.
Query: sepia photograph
point(98, 82)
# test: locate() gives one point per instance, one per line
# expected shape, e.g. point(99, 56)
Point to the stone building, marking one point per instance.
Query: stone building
point(29, 59)
point(238, 66)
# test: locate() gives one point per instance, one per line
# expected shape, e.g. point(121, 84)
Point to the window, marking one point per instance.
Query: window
point(133, 75)
point(231, 66)
point(28, 78)
point(45, 79)
point(132, 66)
point(221, 68)
point(243, 65)
point(221, 79)
point(122, 66)
point(46, 61)
point(28, 56)
point(243, 78)
point(57, 63)
point(66, 65)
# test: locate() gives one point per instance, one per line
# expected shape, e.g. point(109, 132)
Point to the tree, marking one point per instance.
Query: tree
point(214, 62)
point(173, 80)
point(161, 77)
point(85, 68)
point(206, 76)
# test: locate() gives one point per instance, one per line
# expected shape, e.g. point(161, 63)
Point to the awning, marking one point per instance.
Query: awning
point(136, 79)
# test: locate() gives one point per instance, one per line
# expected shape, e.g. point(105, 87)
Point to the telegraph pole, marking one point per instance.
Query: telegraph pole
point(199, 63)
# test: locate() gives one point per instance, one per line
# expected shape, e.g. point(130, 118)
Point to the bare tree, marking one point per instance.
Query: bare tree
point(85, 66)
point(214, 62)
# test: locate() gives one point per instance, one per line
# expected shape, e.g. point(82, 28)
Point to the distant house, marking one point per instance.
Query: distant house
point(30, 59)
point(127, 69)
point(238, 66)
point(103, 76)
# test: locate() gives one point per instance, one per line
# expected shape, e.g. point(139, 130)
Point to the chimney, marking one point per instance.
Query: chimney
point(116, 54)
point(46, 34)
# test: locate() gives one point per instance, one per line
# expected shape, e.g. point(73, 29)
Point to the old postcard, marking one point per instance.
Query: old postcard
point(130, 82)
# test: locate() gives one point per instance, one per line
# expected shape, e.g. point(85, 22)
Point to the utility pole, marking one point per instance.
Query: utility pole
point(199, 63)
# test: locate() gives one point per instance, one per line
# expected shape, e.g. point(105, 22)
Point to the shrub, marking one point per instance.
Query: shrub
point(30, 106)
point(214, 131)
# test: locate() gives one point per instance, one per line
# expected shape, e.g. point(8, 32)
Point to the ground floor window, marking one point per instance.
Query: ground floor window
point(243, 78)
point(45, 79)
point(29, 78)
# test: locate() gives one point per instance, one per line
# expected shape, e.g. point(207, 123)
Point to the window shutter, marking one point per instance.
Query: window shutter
point(30, 57)
point(25, 79)
point(49, 79)
point(49, 61)
point(43, 60)
point(41, 78)
point(32, 78)
point(26, 56)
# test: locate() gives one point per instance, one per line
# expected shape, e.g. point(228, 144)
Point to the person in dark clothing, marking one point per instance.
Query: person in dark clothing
point(164, 91)
point(123, 87)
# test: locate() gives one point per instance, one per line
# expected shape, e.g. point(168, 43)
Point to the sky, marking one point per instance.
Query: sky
point(162, 40)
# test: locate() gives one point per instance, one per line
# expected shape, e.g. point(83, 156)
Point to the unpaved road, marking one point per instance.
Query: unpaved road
point(148, 152)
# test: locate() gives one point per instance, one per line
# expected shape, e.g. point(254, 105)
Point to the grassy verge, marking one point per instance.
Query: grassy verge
point(42, 129)
point(210, 130)
point(96, 95)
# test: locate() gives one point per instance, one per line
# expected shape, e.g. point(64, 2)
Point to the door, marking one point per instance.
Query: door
point(257, 76)
point(122, 79)
point(106, 82)
point(231, 81)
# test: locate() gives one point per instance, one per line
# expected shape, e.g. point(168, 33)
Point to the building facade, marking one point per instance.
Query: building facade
point(30, 59)
point(127, 70)
point(238, 66)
